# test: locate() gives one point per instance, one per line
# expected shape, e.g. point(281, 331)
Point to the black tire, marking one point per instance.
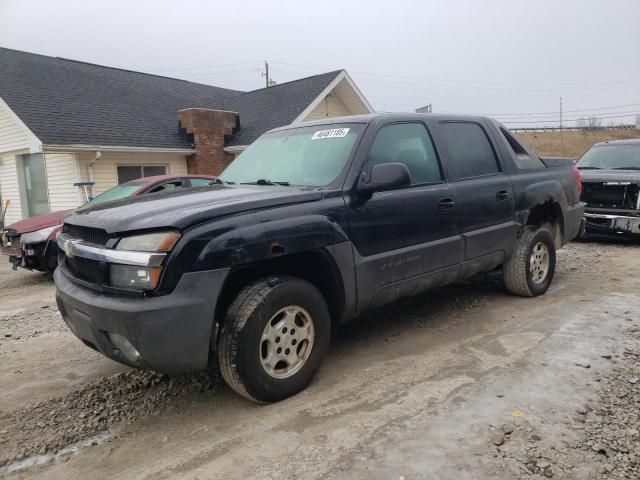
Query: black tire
point(240, 339)
point(517, 273)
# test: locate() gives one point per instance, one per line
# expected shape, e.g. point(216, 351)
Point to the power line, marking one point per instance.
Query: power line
point(199, 67)
point(613, 107)
point(574, 119)
point(485, 91)
point(570, 117)
point(449, 81)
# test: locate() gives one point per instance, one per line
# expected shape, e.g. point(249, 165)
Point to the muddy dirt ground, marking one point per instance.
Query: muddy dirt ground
point(464, 382)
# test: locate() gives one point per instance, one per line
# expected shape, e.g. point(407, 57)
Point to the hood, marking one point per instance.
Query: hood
point(610, 176)
point(39, 222)
point(183, 208)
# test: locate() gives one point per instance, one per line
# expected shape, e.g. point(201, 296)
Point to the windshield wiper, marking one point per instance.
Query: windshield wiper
point(626, 168)
point(264, 181)
point(223, 182)
point(589, 168)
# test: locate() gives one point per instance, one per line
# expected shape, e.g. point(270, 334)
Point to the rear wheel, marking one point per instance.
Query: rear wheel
point(274, 338)
point(530, 269)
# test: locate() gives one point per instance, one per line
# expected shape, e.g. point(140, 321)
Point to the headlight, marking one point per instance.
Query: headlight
point(134, 278)
point(149, 242)
point(38, 236)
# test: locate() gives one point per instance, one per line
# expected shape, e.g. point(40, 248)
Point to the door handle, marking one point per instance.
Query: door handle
point(502, 195)
point(446, 204)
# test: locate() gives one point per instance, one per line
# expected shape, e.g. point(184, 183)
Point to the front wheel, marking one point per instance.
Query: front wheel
point(530, 269)
point(274, 338)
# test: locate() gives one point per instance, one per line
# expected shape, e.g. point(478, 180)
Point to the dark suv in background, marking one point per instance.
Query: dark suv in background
point(611, 187)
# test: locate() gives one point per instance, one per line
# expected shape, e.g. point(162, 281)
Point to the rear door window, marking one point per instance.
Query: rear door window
point(470, 151)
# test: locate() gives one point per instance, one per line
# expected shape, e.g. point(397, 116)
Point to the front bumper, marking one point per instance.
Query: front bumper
point(604, 223)
point(33, 256)
point(172, 333)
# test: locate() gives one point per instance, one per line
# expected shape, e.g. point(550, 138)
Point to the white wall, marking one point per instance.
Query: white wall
point(62, 173)
point(330, 106)
point(105, 172)
point(9, 189)
point(12, 134)
point(15, 139)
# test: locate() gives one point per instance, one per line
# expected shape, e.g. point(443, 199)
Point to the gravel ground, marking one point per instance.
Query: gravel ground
point(612, 421)
point(30, 323)
point(50, 426)
point(607, 425)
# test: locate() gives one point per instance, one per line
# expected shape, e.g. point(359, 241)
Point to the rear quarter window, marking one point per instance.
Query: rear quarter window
point(521, 157)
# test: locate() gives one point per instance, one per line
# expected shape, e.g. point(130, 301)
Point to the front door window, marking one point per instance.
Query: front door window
point(35, 184)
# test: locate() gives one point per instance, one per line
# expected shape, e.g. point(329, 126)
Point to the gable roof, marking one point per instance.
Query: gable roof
point(267, 108)
point(67, 102)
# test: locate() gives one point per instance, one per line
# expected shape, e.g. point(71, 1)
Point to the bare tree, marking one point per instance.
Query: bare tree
point(589, 123)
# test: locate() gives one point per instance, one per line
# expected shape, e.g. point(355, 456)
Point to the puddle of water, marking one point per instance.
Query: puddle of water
point(68, 450)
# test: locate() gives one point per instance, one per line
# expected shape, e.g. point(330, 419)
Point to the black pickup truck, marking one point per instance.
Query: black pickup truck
point(312, 225)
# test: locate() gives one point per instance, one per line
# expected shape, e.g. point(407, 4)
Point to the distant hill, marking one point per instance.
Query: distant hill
point(572, 143)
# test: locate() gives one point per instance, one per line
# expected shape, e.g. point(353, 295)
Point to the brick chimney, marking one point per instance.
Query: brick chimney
point(209, 128)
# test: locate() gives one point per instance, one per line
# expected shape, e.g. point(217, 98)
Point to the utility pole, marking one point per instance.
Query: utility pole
point(561, 129)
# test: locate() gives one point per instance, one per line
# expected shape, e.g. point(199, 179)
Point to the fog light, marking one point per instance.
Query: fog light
point(122, 344)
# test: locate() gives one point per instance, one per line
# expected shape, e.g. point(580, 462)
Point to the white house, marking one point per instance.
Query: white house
point(64, 121)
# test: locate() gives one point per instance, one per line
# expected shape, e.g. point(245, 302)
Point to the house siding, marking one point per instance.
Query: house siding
point(13, 136)
point(9, 189)
point(330, 106)
point(61, 175)
point(105, 171)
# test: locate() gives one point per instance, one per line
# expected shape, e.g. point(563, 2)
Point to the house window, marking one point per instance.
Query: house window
point(131, 172)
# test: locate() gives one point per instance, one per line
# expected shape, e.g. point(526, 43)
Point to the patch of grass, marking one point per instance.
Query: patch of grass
point(572, 143)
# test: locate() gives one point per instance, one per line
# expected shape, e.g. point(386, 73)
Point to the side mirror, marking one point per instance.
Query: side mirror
point(387, 176)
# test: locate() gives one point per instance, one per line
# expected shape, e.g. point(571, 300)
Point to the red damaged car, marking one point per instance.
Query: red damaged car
point(30, 243)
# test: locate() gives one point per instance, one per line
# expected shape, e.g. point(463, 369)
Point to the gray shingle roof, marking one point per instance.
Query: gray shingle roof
point(69, 102)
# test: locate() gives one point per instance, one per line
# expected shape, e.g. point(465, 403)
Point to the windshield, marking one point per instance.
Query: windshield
point(307, 157)
point(115, 193)
point(611, 157)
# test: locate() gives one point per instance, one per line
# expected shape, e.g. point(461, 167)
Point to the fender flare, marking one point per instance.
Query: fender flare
point(541, 193)
point(261, 241)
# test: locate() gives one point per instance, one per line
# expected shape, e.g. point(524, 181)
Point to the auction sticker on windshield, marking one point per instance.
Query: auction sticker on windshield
point(333, 133)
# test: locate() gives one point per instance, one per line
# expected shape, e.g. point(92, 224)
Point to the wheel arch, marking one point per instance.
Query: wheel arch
point(317, 266)
point(549, 215)
point(542, 204)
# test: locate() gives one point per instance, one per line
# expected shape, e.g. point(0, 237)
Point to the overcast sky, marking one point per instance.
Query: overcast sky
point(501, 57)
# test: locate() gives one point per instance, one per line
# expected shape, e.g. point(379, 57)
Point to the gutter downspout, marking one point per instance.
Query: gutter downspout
point(90, 171)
